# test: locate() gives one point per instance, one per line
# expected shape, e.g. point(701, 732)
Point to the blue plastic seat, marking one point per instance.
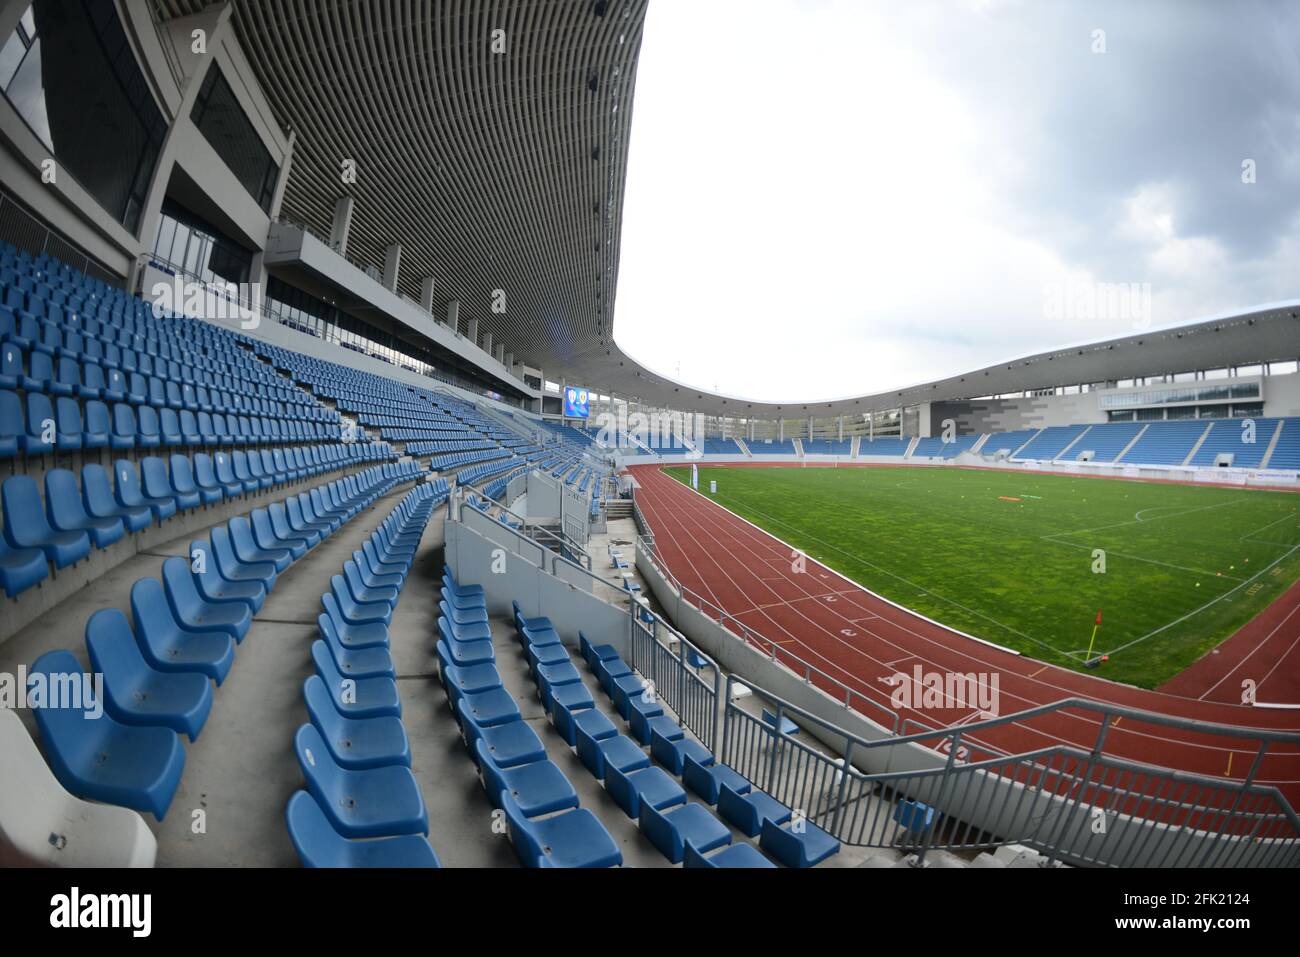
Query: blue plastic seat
point(248, 551)
point(355, 697)
point(748, 811)
point(630, 689)
point(593, 653)
point(27, 527)
point(466, 653)
point(575, 838)
point(468, 680)
point(319, 845)
point(670, 747)
point(465, 616)
point(735, 855)
point(134, 692)
point(243, 474)
point(169, 427)
point(96, 426)
point(478, 631)
point(804, 845)
point(355, 743)
point(572, 694)
point(609, 670)
point(359, 662)
point(21, 568)
point(372, 635)
point(131, 495)
point(225, 475)
point(647, 785)
point(169, 647)
point(125, 429)
point(705, 780)
point(265, 538)
point(510, 744)
point(354, 611)
point(364, 593)
point(213, 587)
point(376, 802)
point(179, 486)
point(670, 829)
point(601, 755)
point(371, 577)
point(67, 512)
point(205, 479)
point(195, 613)
point(786, 725)
point(490, 708)
point(97, 496)
point(232, 568)
point(537, 788)
point(12, 424)
point(103, 759)
point(42, 428)
point(284, 530)
point(593, 722)
point(70, 428)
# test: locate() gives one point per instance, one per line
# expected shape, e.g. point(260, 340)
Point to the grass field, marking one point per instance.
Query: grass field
point(1010, 557)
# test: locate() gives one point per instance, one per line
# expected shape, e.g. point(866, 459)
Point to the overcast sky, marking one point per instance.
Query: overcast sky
point(831, 197)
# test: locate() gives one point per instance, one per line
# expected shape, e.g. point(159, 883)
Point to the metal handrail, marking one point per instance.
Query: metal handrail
point(563, 542)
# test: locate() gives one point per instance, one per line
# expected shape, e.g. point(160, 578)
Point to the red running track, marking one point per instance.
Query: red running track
point(859, 639)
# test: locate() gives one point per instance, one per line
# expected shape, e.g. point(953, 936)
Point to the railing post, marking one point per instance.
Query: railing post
point(1054, 849)
point(844, 786)
point(945, 789)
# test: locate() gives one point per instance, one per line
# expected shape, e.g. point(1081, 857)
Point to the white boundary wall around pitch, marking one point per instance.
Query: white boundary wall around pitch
point(1245, 478)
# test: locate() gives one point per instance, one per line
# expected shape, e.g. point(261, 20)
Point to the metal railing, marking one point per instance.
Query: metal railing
point(677, 682)
point(1083, 807)
point(851, 698)
point(559, 543)
point(25, 231)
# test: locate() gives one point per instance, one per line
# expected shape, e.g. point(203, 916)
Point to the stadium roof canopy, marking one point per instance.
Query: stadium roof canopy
point(498, 162)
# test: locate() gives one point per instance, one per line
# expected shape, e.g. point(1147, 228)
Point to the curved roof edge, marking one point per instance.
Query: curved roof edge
point(1264, 333)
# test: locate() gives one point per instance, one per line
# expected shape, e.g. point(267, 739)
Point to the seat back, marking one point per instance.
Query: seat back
point(153, 471)
point(204, 477)
point(63, 500)
point(320, 706)
point(324, 777)
point(115, 653)
point(313, 836)
point(182, 594)
point(97, 492)
point(182, 475)
point(25, 523)
point(71, 731)
point(154, 623)
point(522, 834)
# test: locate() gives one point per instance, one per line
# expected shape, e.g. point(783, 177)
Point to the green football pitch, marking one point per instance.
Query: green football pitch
point(1027, 561)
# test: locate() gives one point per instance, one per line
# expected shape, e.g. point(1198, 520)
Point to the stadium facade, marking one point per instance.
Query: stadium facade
point(355, 253)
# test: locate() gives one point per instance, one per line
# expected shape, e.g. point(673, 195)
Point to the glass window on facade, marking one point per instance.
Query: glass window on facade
point(69, 72)
point(226, 127)
point(188, 245)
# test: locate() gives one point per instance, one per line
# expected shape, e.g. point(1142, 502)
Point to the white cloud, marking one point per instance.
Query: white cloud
point(820, 205)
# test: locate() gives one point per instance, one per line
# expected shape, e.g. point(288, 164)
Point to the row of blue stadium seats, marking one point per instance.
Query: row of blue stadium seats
point(654, 795)
point(33, 425)
point(156, 674)
point(547, 826)
point(36, 372)
point(362, 806)
point(72, 518)
point(452, 460)
point(85, 368)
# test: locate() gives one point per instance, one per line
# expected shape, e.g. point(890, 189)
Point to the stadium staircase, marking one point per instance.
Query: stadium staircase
point(743, 447)
point(1064, 453)
point(798, 448)
point(1132, 442)
point(855, 447)
point(1197, 446)
point(1272, 444)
